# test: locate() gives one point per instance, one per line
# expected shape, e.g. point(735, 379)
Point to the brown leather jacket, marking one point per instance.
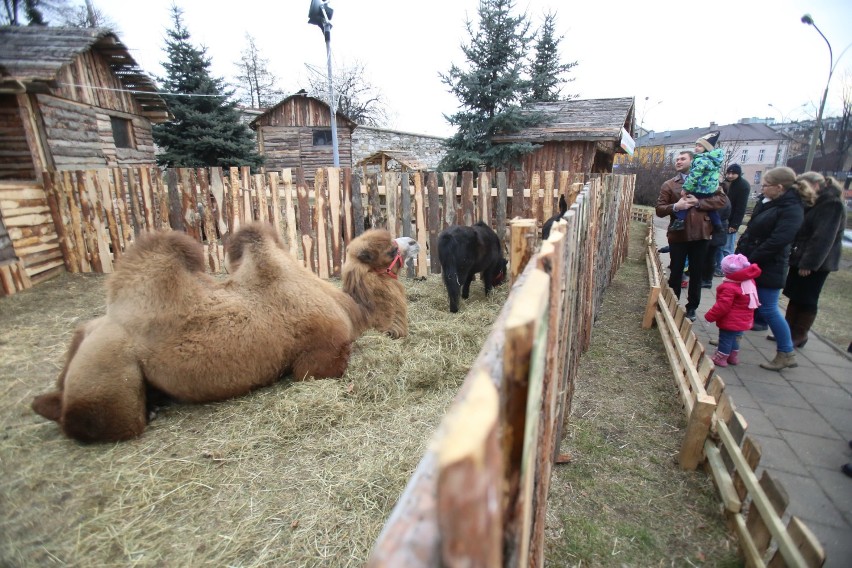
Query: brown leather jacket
point(698, 225)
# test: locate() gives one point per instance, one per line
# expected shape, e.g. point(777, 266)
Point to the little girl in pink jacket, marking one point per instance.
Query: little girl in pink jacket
point(733, 312)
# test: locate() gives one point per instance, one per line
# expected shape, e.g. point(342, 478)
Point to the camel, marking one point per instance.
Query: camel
point(173, 329)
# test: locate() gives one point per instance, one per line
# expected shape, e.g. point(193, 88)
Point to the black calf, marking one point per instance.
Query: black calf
point(464, 251)
point(545, 229)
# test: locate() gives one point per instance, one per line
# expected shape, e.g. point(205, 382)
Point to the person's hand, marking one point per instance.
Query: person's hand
point(804, 272)
point(691, 200)
point(732, 230)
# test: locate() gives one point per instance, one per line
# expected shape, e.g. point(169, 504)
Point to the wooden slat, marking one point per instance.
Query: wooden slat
point(434, 224)
point(321, 221)
point(214, 262)
point(391, 180)
point(523, 238)
point(805, 541)
point(234, 217)
point(376, 217)
point(52, 191)
point(348, 219)
point(335, 213)
point(500, 208)
point(289, 210)
point(547, 202)
point(467, 205)
point(484, 184)
point(357, 207)
point(449, 199)
point(535, 196)
point(102, 186)
point(305, 228)
point(420, 218)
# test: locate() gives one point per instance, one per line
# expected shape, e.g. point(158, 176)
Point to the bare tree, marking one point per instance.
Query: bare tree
point(30, 12)
point(88, 15)
point(844, 137)
point(355, 96)
point(256, 85)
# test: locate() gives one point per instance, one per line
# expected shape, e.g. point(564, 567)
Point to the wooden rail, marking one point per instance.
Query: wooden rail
point(716, 436)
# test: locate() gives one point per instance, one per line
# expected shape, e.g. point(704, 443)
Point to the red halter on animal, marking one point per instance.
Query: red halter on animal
point(389, 270)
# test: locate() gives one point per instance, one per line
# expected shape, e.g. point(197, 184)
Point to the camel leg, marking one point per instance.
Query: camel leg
point(104, 395)
point(324, 363)
point(49, 404)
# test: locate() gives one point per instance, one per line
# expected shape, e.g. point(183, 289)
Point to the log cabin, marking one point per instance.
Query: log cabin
point(296, 133)
point(70, 99)
point(579, 135)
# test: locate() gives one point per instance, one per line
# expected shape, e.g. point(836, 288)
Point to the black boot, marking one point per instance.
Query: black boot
point(805, 317)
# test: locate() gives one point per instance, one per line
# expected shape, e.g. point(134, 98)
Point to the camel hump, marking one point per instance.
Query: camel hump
point(168, 247)
point(250, 238)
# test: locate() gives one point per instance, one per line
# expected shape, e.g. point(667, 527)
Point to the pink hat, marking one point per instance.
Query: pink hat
point(734, 262)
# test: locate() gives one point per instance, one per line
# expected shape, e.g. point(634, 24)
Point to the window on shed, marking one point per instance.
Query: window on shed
point(122, 132)
point(322, 137)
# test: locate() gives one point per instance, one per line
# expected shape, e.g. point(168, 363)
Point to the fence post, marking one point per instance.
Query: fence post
point(523, 240)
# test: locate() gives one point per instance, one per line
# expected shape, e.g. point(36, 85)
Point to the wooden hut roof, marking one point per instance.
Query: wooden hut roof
point(405, 159)
point(31, 58)
point(577, 120)
point(271, 110)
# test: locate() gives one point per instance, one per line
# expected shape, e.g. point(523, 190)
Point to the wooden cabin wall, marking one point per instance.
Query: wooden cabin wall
point(29, 225)
point(298, 111)
point(72, 134)
point(561, 156)
point(80, 79)
point(293, 147)
point(15, 159)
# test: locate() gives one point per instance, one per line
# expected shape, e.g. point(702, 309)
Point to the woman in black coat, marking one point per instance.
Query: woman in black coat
point(816, 252)
point(766, 242)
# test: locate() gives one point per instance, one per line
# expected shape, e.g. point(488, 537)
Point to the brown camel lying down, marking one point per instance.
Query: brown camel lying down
point(173, 328)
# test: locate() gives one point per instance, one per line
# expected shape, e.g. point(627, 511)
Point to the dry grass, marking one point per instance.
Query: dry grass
point(298, 474)
point(623, 501)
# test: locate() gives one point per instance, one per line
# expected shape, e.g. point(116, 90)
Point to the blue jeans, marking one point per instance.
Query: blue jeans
point(730, 245)
point(770, 313)
point(729, 341)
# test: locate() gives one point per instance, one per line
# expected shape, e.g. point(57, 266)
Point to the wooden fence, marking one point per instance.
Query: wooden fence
point(716, 436)
point(98, 213)
point(478, 496)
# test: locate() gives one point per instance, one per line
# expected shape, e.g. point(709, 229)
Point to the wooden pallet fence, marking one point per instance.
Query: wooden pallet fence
point(478, 496)
point(716, 436)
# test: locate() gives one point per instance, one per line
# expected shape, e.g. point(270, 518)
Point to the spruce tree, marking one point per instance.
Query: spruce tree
point(206, 130)
point(546, 71)
point(490, 90)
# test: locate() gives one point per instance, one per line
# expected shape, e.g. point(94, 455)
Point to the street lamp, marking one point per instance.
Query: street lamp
point(320, 14)
point(807, 19)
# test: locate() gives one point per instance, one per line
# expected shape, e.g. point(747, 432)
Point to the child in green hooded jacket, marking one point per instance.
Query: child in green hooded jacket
point(703, 178)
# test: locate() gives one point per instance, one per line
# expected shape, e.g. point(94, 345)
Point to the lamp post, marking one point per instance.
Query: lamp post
point(320, 15)
point(786, 115)
point(807, 19)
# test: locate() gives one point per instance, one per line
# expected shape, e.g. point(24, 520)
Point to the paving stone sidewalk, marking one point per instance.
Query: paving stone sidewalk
point(802, 419)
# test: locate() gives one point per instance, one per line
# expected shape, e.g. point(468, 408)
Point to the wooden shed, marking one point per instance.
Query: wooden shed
point(391, 160)
point(297, 133)
point(70, 99)
point(576, 135)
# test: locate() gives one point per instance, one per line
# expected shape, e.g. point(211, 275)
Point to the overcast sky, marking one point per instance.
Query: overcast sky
point(719, 60)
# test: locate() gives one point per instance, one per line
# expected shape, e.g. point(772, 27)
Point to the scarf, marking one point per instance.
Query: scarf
point(749, 289)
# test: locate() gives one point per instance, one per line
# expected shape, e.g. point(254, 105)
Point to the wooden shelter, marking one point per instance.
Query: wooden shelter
point(578, 135)
point(391, 160)
point(72, 98)
point(296, 133)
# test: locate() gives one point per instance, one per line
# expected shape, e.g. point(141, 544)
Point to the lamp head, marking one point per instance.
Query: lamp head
point(806, 19)
point(320, 13)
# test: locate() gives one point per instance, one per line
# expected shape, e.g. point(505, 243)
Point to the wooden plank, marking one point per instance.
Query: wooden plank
point(420, 219)
point(347, 207)
point(99, 222)
point(147, 198)
point(357, 207)
point(523, 240)
point(321, 221)
point(723, 480)
point(753, 557)
point(525, 330)
point(484, 185)
point(376, 217)
point(806, 542)
point(467, 205)
point(102, 186)
point(500, 208)
point(247, 213)
point(217, 188)
point(51, 180)
point(697, 430)
point(262, 198)
point(650, 307)
point(275, 203)
point(305, 229)
point(676, 365)
point(234, 217)
point(72, 199)
point(751, 455)
point(289, 210)
point(758, 527)
point(760, 501)
point(470, 481)
point(519, 181)
point(547, 202)
point(176, 221)
point(335, 212)
point(434, 223)
point(535, 196)
point(391, 180)
point(449, 199)
point(87, 218)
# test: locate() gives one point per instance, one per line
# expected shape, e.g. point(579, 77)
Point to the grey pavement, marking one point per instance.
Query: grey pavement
point(801, 417)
